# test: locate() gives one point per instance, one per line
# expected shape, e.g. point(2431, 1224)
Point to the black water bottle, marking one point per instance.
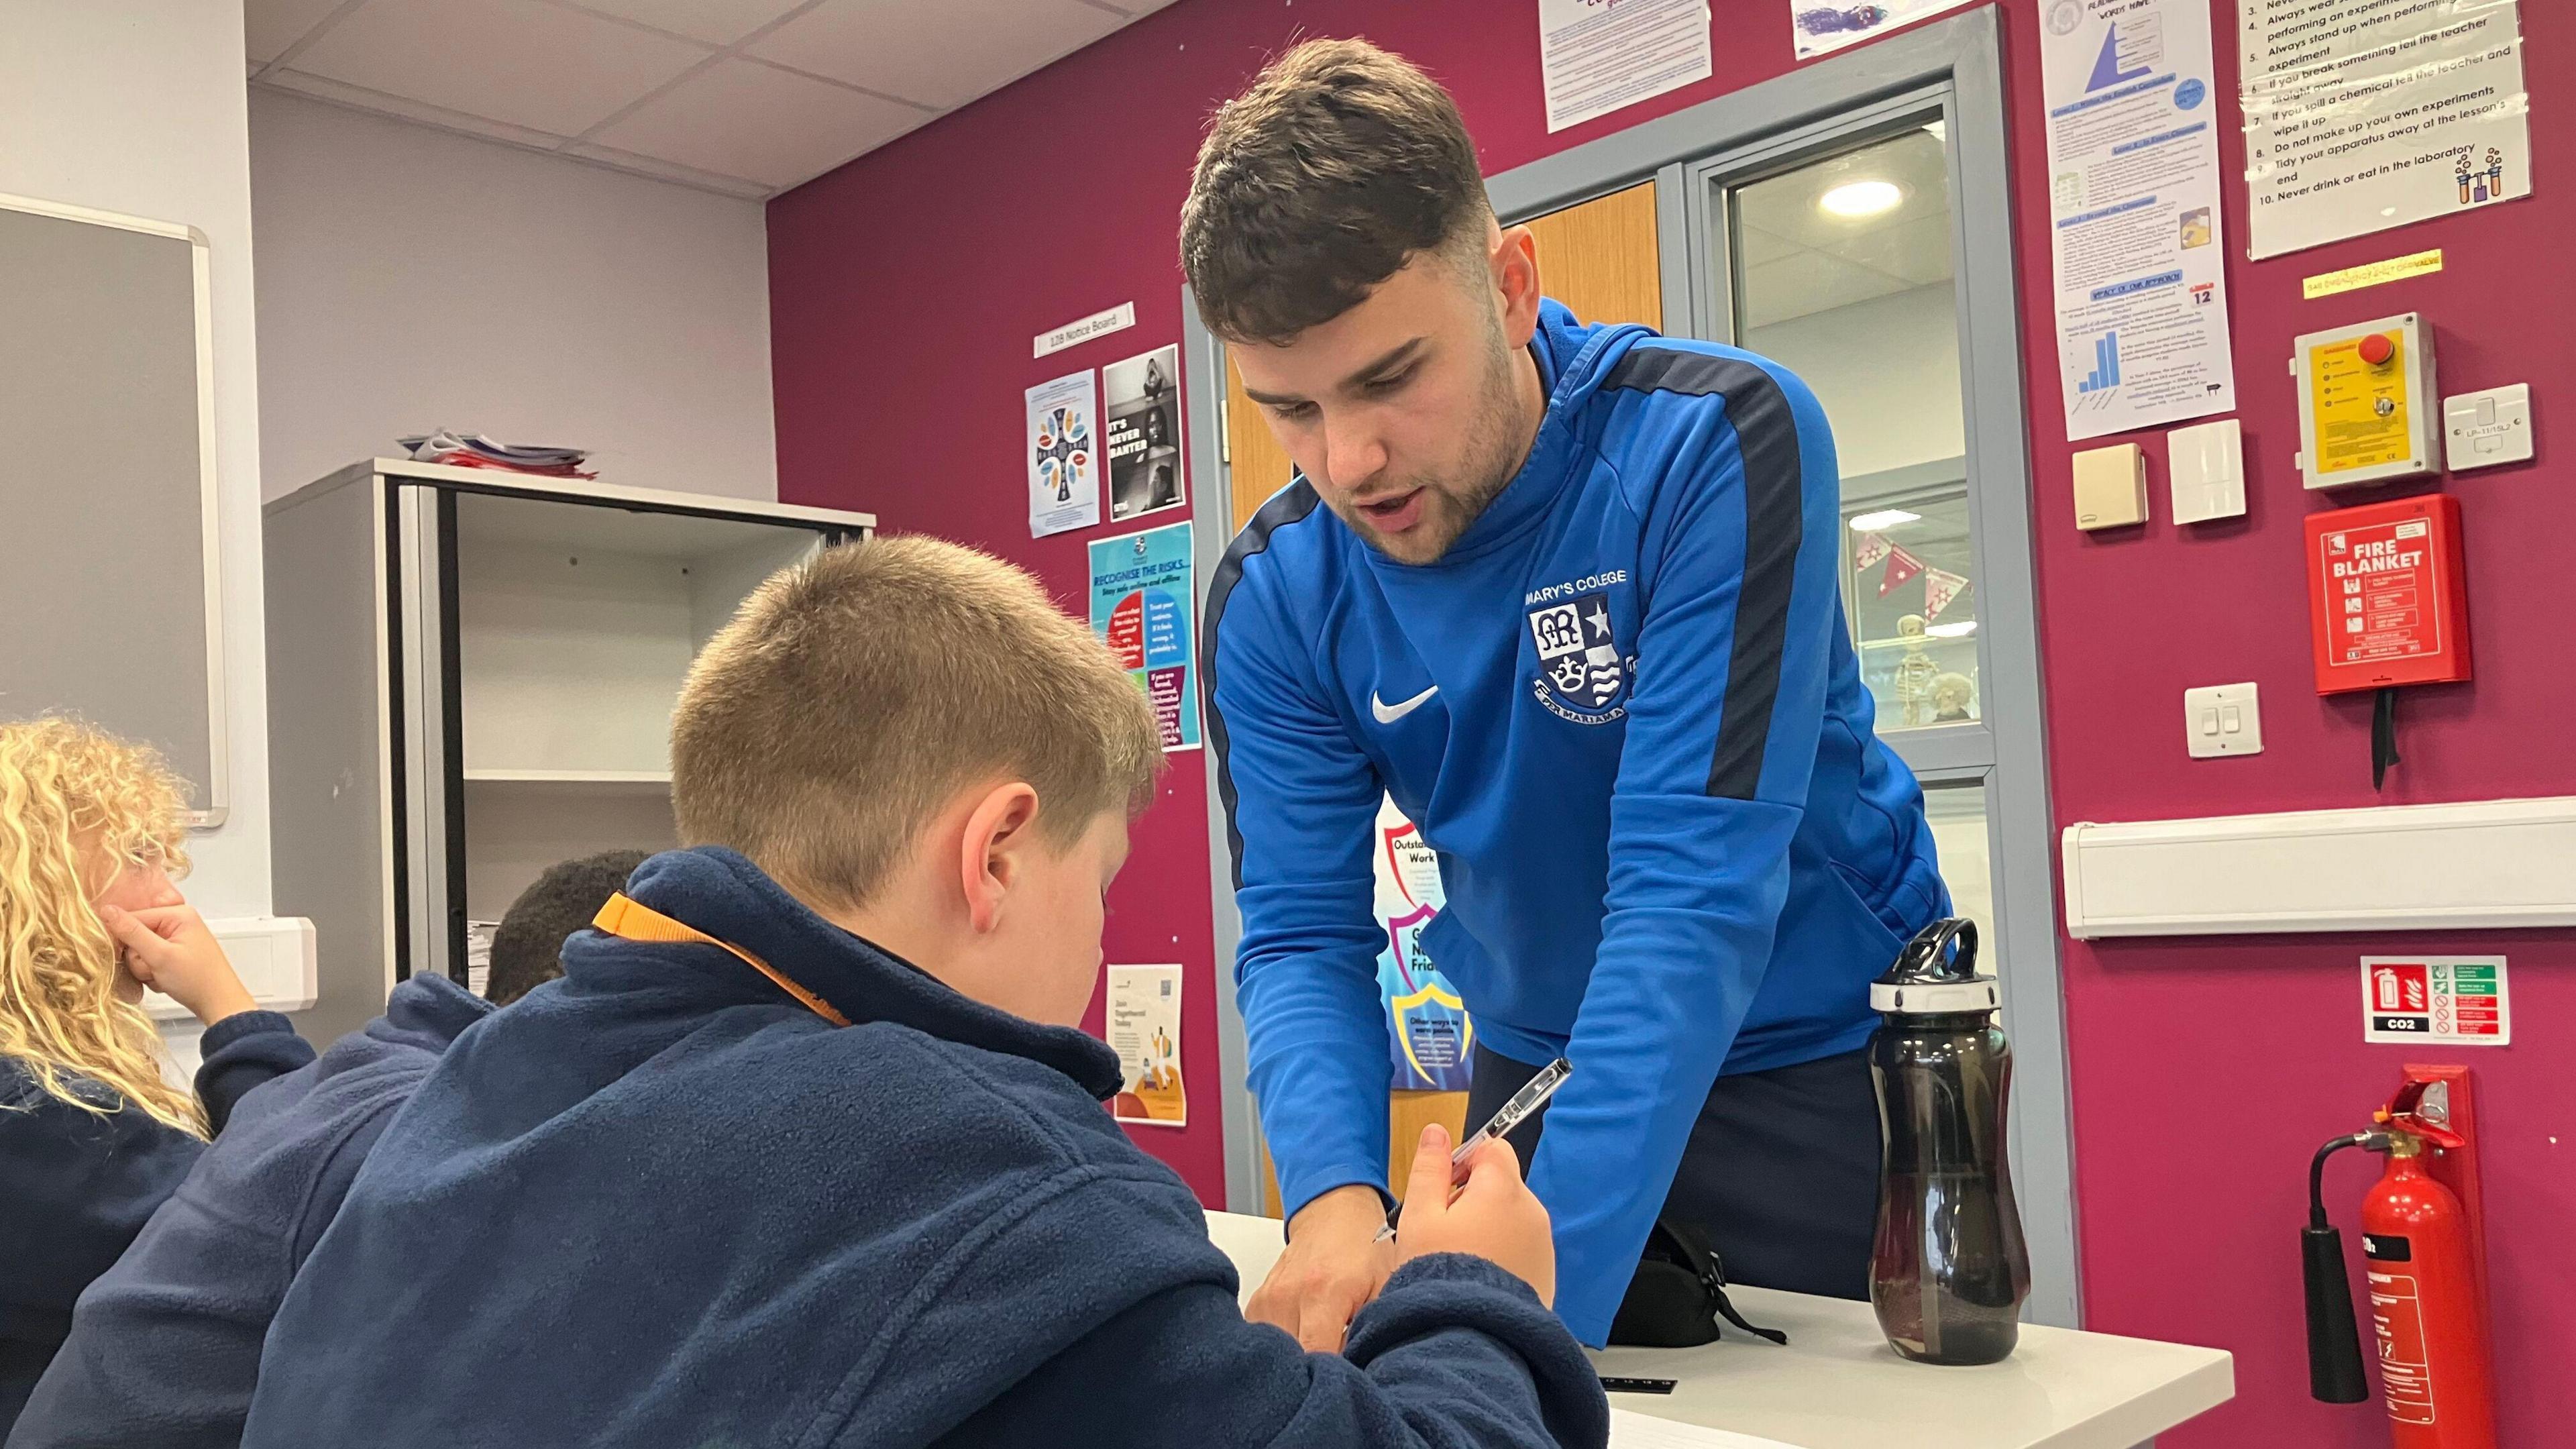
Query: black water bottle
point(1948, 1271)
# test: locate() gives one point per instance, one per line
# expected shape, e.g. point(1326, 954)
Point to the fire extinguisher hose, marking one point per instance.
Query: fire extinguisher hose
point(2334, 1339)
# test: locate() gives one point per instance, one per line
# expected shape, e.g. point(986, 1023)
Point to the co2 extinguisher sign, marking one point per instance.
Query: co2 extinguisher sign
point(2453, 1000)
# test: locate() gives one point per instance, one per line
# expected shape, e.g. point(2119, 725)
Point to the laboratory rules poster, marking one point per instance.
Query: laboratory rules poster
point(2361, 115)
point(2134, 217)
point(1140, 604)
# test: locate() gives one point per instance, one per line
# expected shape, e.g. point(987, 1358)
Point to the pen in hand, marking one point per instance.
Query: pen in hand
point(1510, 1115)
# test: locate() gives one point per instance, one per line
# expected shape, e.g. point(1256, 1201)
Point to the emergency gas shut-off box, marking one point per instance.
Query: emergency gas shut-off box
point(2368, 411)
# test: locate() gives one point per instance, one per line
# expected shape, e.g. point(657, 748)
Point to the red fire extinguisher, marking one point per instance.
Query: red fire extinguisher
point(2427, 1285)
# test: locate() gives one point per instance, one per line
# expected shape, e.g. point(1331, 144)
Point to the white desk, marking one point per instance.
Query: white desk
point(1839, 1386)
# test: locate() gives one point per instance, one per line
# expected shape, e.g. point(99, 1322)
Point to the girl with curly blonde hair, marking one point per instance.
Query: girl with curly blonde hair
point(92, 1136)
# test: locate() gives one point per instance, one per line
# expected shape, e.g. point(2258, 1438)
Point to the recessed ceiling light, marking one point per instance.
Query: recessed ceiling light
point(1860, 198)
point(1884, 518)
point(1960, 630)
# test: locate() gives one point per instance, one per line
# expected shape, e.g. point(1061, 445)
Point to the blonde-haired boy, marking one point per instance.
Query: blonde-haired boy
point(804, 1148)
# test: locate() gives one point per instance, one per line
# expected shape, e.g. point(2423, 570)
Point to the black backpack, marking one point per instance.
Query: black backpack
point(1679, 1293)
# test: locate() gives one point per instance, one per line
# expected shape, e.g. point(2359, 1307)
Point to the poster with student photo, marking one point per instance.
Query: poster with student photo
point(1142, 400)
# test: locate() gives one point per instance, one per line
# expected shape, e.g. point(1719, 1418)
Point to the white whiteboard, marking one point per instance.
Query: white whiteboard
point(108, 566)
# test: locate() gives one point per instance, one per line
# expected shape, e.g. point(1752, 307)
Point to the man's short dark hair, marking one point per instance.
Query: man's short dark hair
point(527, 951)
point(1340, 164)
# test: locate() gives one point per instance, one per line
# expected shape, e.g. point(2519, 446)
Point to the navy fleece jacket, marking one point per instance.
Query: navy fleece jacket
point(164, 1347)
point(659, 1202)
point(75, 1186)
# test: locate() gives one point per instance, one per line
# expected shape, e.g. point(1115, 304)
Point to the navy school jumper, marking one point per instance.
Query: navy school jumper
point(76, 1186)
point(661, 1203)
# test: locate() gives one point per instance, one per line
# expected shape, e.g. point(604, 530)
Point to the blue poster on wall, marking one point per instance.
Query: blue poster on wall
point(1140, 605)
point(1428, 1033)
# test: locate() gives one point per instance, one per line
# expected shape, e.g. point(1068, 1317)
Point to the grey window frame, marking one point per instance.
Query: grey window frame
point(1953, 69)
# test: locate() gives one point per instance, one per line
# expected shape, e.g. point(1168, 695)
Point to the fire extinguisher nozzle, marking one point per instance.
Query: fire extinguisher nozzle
point(2334, 1339)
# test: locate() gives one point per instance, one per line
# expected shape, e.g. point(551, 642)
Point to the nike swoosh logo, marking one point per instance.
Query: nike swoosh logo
point(1389, 713)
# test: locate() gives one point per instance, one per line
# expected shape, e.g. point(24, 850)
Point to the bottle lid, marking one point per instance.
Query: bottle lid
point(1936, 974)
point(1935, 998)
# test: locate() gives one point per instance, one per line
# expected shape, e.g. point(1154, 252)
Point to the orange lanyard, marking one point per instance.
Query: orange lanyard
point(632, 920)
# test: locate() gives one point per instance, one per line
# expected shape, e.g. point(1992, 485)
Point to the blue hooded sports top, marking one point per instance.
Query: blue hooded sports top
point(1625, 711)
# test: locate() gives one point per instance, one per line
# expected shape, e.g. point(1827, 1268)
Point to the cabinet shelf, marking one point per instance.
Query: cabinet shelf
point(654, 779)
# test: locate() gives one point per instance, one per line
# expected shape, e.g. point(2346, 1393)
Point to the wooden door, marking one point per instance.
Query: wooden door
point(1599, 258)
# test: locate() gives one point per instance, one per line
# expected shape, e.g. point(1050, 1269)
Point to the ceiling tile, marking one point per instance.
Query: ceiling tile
point(1916, 250)
point(270, 26)
point(741, 118)
point(1809, 281)
point(410, 110)
point(518, 61)
point(1754, 246)
point(670, 171)
point(941, 55)
point(718, 22)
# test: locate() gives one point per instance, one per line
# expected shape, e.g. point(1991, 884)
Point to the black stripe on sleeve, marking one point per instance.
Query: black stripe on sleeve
point(1287, 506)
point(1766, 435)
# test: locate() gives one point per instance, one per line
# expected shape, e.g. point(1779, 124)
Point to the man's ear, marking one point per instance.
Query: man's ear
point(993, 852)
point(1515, 267)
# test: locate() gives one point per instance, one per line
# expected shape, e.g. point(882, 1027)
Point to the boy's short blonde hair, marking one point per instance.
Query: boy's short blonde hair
point(856, 693)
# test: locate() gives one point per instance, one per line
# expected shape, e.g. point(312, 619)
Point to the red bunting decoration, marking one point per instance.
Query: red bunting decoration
point(1940, 587)
point(1900, 567)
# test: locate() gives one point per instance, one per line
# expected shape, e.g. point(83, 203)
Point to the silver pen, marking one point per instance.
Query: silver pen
point(1532, 1095)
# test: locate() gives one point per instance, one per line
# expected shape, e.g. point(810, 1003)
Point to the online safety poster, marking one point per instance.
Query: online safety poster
point(2361, 115)
point(1428, 1034)
point(1140, 604)
point(2142, 334)
point(1064, 455)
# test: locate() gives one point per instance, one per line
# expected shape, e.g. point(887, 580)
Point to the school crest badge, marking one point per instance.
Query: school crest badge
point(1582, 676)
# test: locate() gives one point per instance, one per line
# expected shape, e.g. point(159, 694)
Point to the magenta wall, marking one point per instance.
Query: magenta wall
point(905, 288)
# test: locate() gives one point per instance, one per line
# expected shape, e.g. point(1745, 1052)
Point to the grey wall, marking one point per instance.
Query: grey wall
point(136, 106)
point(412, 279)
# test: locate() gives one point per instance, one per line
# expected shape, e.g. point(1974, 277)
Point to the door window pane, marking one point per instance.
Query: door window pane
point(1841, 271)
point(1958, 817)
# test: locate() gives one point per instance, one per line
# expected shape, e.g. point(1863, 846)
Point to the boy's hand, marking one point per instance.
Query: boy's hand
point(1333, 1267)
point(169, 949)
point(1494, 1216)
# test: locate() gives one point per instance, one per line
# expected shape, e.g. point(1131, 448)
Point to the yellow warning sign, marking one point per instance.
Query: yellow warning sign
point(2371, 274)
point(2360, 407)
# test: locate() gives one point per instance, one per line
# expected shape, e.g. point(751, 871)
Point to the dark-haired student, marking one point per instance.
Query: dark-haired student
point(164, 1347)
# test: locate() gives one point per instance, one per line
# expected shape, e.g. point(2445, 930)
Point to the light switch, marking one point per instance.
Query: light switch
point(2205, 469)
point(2484, 429)
point(2223, 719)
point(2111, 487)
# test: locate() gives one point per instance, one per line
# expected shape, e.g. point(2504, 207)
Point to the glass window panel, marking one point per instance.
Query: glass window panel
point(1958, 817)
point(1841, 271)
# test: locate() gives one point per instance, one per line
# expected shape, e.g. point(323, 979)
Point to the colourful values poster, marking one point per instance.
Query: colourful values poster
point(1143, 1025)
point(1140, 604)
point(1428, 1033)
point(1063, 455)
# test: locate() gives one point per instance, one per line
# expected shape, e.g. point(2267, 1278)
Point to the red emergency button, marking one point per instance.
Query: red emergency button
point(2377, 349)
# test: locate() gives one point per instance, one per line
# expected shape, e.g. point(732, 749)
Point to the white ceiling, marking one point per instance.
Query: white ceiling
point(743, 97)
point(1796, 258)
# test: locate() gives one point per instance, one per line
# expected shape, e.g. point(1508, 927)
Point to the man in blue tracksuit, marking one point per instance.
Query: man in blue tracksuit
point(1568, 595)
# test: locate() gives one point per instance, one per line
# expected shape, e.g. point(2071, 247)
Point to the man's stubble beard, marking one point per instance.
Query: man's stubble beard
point(1451, 507)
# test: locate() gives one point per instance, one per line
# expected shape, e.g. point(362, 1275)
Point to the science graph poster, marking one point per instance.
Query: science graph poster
point(1140, 605)
point(1427, 1031)
point(1063, 455)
